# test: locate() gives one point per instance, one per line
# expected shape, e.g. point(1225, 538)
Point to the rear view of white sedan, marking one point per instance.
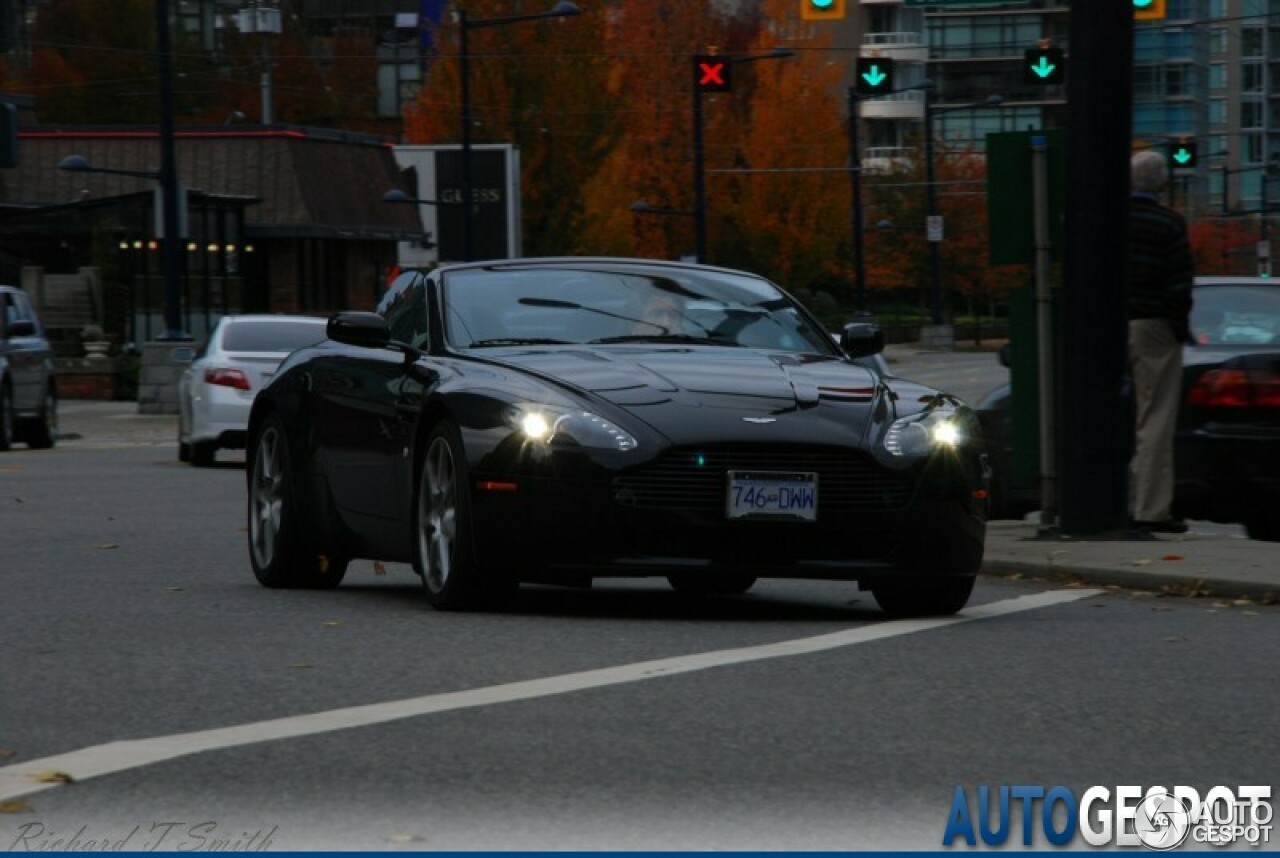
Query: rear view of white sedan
point(217, 390)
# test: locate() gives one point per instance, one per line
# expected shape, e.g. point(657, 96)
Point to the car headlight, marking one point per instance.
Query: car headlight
point(921, 434)
point(578, 428)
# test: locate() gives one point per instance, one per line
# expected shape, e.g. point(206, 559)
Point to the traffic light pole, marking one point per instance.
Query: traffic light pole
point(1094, 436)
point(855, 178)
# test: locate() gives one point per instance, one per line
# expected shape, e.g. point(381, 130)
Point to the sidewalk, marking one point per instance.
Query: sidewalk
point(1202, 562)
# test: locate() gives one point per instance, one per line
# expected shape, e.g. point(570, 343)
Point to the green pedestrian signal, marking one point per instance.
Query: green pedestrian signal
point(1044, 67)
point(1183, 154)
point(874, 76)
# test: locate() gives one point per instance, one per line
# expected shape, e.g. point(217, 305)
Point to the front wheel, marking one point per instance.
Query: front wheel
point(8, 422)
point(280, 538)
point(442, 553)
point(43, 433)
point(924, 597)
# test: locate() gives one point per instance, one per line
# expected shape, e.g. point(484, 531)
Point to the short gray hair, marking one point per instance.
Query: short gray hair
point(1148, 172)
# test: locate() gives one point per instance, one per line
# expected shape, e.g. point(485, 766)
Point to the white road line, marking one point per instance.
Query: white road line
point(28, 777)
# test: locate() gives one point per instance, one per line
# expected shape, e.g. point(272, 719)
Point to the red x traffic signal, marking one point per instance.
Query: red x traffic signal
point(711, 74)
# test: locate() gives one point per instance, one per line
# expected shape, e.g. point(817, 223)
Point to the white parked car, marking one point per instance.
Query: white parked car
point(217, 390)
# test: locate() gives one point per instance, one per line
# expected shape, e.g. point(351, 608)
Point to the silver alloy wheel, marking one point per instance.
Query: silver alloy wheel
point(267, 497)
point(437, 515)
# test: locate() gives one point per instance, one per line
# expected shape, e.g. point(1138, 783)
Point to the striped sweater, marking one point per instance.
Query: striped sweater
point(1159, 269)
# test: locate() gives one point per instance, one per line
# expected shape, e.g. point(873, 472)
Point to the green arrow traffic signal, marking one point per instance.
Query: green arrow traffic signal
point(874, 76)
point(1183, 154)
point(1044, 66)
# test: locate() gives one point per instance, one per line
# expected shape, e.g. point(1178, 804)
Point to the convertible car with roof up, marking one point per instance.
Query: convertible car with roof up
point(554, 421)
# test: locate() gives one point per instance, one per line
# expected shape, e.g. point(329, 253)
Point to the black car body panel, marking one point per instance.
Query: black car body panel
point(691, 414)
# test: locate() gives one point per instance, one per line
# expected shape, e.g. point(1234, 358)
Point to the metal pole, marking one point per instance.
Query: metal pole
point(267, 117)
point(699, 182)
point(170, 243)
point(1044, 328)
point(467, 247)
point(855, 178)
point(931, 197)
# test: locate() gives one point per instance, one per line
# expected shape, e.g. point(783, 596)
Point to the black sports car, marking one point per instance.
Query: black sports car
point(555, 420)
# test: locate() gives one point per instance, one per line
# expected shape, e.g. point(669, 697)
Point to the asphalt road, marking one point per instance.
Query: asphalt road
point(624, 717)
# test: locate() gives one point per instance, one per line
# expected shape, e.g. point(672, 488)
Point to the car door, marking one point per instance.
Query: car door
point(26, 351)
point(359, 423)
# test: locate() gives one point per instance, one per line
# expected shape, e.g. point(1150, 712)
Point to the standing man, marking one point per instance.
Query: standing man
point(1159, 272)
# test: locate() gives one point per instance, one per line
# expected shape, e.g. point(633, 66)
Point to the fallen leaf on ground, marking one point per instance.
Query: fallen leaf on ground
point(1243, 602)
point(55, 777)
point(1142, 561)
point(6, 752)
point(18, 500)
point(332, 624)
point(15, 806)
point(379, 568)
point(108, 545)
point(1172, 557)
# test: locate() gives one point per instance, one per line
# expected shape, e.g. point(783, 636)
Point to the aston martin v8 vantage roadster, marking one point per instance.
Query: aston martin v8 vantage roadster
point(558, 420)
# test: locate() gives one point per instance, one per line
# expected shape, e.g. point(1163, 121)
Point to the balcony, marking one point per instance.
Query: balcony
point(900, 105)
point(902, 46)
point(887, 159)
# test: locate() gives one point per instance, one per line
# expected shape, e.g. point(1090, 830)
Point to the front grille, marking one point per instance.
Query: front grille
point(696, 478)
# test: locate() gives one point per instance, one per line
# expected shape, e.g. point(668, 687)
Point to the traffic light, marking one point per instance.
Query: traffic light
point(712, 74)
point(874, 76)
point(1183, 154)
point(1044, 67)
point(822, 10)
point(1148, 10)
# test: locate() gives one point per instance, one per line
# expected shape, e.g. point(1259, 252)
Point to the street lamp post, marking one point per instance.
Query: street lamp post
point(931, 190)
point(562, 9)
point(699, 165)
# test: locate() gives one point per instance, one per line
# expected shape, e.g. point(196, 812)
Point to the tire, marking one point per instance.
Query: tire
point(717, 584)
point(184, 449)
point(1264, 526)
point(43, 432)
point(202, 455)
point(280, 536)
point(8, 422)
point(924, 597)
point(442, 554)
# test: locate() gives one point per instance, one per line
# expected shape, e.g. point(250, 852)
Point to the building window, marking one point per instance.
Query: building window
point(1218, 76)
point(1217, 40)
point(1250, 114)
point(1251, 42)
point(1217, 111)
point(1251, 77)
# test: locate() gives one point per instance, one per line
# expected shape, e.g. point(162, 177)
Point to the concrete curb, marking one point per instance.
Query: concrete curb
point(1162, 582)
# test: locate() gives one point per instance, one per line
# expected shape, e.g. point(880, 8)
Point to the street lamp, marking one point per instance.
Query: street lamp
point(931, 188)
point(562, 9)
point(699, 164)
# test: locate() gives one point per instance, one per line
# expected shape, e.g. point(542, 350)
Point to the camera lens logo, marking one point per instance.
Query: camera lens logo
point(1162, 821)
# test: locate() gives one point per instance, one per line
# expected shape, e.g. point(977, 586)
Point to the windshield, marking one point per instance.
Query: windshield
point(270, 335)
point(1236, 315)
point(543, 304)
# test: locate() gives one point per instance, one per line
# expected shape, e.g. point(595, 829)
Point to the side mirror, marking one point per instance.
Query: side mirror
point(22, 328)
point(365, 330)
point(862, 339)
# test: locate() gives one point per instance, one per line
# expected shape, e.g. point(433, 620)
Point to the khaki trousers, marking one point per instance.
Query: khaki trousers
point(1155, 362)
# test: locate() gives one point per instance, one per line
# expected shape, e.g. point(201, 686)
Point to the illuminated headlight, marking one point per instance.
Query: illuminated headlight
point(579, 428)
point(918, 435)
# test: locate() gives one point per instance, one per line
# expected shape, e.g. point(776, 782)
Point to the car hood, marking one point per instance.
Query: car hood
point(686, 393)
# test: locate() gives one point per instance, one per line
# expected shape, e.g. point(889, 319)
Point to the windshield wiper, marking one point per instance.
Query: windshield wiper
point(519, 341)
point(666, 338)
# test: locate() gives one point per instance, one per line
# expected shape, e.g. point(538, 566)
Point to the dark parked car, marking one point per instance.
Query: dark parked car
point(1227, 448)
point(526, 421)
point(28, 392)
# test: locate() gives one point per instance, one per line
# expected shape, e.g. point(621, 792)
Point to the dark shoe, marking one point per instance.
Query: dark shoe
point(1168, 525)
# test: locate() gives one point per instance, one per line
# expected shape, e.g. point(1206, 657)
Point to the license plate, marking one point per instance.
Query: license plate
point(773, 494)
